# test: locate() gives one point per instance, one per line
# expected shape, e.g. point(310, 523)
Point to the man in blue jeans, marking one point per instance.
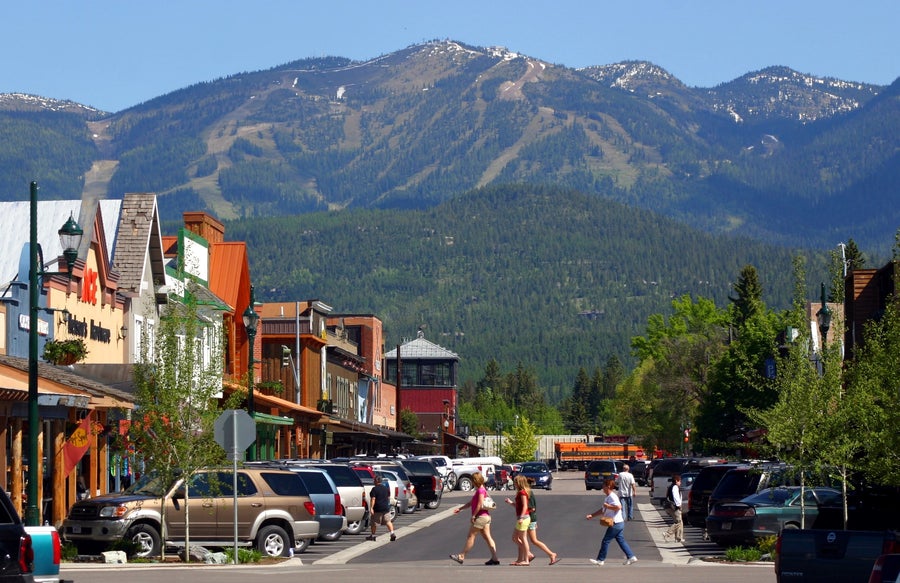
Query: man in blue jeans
point(627, 492)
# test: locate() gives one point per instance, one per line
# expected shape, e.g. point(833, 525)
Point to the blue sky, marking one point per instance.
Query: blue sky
point(113, 54)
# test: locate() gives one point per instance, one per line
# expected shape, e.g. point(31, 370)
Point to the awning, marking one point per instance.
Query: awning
point(456, 440)
point(271, 419)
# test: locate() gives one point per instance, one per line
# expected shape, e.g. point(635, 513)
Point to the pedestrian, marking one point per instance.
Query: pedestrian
point(673, 495)
point(611, 517)
point(523, 521)
point(480, 522)
point(627, 491)
point(380, 506)
point(532, 528)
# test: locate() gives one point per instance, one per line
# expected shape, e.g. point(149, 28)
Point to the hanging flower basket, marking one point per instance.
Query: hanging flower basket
point(65, 352)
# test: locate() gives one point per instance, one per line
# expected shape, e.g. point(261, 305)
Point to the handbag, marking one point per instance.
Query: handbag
point(488, 503)
point(667, 504)
point(607, 521)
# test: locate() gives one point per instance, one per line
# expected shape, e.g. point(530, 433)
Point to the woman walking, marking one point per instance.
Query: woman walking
point(611, 515)
point(480, 522)
point(532, 527)
point(523, 520)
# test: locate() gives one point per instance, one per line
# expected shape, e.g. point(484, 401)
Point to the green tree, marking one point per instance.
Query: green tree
point(749, 295)
point(409, 422)
point(521, 442)
point(177, 389)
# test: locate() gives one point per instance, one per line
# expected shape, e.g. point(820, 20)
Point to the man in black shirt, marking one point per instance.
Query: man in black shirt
point(380, 499)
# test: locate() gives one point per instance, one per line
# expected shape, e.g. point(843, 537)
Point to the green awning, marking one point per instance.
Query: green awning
point(272, 419)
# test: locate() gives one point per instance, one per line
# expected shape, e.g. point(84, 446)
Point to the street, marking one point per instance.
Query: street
point(427, 537)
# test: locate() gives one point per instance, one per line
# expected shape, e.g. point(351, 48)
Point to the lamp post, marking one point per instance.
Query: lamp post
point(500, 437)
point(251, 318)
point(823, 317)
point(70, 237)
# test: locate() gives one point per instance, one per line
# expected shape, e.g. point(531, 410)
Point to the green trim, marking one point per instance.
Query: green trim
point(271, 419)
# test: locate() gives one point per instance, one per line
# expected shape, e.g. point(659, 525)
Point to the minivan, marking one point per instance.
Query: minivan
point(740, 482)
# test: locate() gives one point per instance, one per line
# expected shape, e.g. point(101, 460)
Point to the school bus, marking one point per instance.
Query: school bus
point(576, 456)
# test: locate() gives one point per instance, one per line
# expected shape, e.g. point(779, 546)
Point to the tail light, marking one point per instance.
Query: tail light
point(310, 507)
point(436, 484)
point(337, 502)
point(26, 554)
point(57, 550)
point(396, 491)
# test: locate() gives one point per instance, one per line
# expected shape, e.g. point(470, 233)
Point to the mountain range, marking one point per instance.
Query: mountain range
point(774, 159)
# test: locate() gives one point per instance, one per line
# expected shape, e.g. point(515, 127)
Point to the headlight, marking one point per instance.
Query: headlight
point(113, 511)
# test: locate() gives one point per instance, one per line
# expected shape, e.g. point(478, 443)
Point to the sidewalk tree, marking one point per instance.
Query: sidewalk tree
point(178, 391)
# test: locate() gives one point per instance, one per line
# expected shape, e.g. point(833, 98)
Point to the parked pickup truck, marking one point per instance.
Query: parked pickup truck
point(464, 468)
point(825, 556)
point(47, 552)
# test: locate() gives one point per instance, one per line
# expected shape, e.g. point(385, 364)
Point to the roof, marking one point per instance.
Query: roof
point(104, 395)
point(227, 263)
point(15, 231)
point(138, 232)
point(421, 348)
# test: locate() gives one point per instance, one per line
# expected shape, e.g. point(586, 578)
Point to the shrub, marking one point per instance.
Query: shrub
point(743, 555)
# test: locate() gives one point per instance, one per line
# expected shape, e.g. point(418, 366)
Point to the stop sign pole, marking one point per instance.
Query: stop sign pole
point(235, 431)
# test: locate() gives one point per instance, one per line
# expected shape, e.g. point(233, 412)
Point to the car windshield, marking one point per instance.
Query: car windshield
point(534, 468)
point(149, 485)
point(770, 497)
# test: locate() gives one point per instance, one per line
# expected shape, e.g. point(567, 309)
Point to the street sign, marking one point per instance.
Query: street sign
point(235, 431)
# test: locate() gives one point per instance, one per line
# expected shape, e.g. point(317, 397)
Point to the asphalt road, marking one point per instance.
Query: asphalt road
point(427, 537)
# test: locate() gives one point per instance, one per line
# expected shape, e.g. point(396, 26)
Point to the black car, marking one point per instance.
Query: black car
point(698, 499)
point(638, 469)
point(738, 483)
point(15, 545)
point(427, 480)
point(598, 471)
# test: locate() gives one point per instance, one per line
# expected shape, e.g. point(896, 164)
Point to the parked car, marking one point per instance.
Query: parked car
point(668, 467)
point(15, 545)
point(597, 472)
point(697, 500)
point(638, 469)
point(275, 513)
point(444, 467)
point(746, 480)
point(354, 495)
point(425, 477)
point(767, 513)
point(325, 495)
point(538, 473)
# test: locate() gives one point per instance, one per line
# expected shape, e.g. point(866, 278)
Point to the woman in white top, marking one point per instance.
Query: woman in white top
point(612, 509)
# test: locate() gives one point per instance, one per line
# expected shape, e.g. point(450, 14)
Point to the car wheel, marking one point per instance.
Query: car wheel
point(432, 504)
point(354, 527)
point(146, 539)
point(272, 541)
point(301, 545)
point(451, 481)
point(464, 484)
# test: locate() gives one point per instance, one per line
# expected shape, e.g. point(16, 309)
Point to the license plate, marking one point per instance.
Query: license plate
point(595, 474)
point(726, 526)
point(76, 530)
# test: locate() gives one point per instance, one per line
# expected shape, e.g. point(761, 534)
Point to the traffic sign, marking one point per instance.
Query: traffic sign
point(235, 431)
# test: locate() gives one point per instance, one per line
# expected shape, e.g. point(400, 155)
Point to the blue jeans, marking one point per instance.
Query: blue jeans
point(627, 507)
point(616, 531)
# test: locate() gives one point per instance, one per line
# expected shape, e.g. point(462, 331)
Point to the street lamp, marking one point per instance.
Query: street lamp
point(500, 437)
point(823, 316)
point(70, 238)
point(251, 319)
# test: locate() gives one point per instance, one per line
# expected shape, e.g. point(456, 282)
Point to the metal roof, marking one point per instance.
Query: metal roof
point(421, 349)
point(15, 231)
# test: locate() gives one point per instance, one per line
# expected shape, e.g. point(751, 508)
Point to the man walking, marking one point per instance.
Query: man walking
point(627, 491)
point(380, 500)
point(674, 498)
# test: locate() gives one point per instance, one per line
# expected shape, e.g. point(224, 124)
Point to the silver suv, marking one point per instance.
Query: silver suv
point(274, 513)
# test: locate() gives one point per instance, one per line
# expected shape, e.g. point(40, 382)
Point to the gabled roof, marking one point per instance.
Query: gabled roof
point(15, 230)
point(421, 348)
point(229, 272)
point(64, 380)
point(138, 233)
